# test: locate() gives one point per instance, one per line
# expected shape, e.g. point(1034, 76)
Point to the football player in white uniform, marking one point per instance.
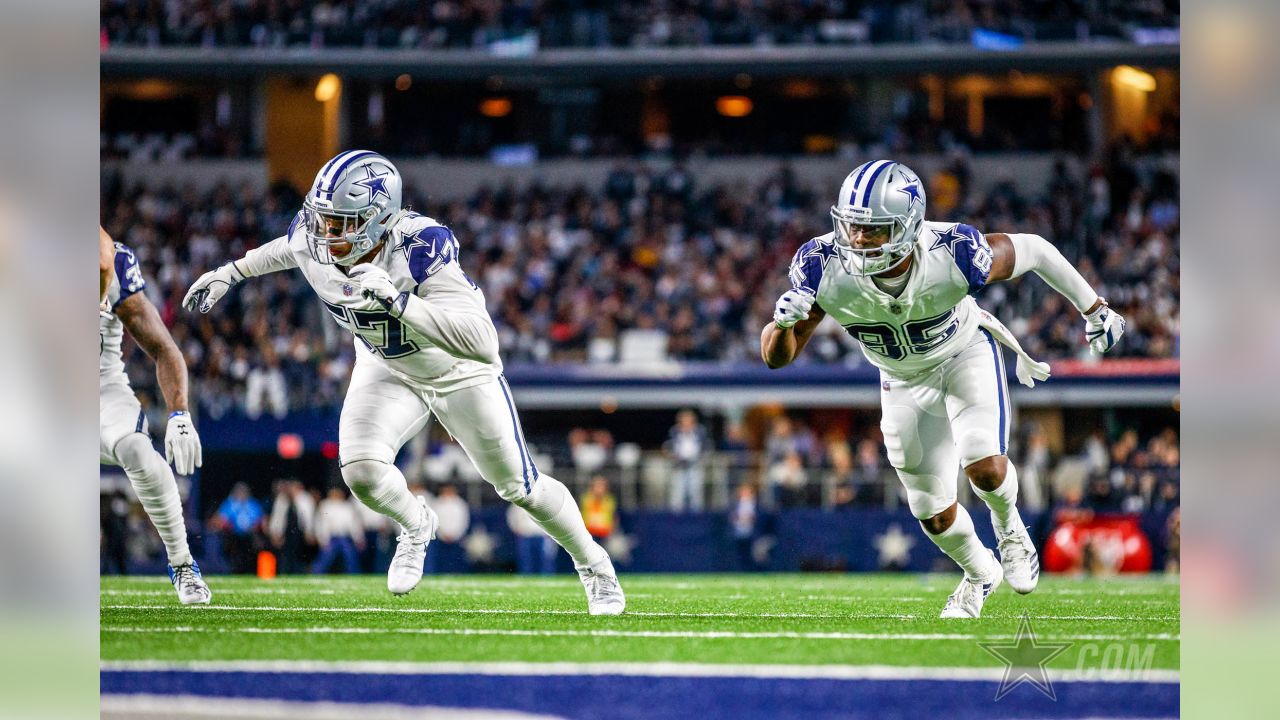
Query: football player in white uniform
point(901, 286)
point(424, 345)
point(123, 435)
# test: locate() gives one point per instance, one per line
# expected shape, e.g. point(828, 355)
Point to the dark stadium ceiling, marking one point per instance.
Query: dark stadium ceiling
point(589, 64)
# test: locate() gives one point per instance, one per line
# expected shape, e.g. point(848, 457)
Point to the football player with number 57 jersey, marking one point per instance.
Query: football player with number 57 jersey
point(902, 286)
point(424, 345)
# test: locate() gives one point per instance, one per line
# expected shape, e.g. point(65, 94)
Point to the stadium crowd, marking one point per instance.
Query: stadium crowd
point(793, 461)
point(589, 275)
point(594, 23)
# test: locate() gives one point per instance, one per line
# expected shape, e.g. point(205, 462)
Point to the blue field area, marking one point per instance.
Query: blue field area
point(627, 697)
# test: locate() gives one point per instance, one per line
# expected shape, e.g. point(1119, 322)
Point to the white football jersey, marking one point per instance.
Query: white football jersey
point(421, 256)
point(127, 281)
point(932, 320)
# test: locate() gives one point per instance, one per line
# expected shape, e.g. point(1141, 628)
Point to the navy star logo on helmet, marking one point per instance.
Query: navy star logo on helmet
point(376, 184)
point(912, 191)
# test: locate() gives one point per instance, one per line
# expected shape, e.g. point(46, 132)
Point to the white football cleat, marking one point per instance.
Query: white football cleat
point(967, 600)
point(1020, 561)
point(604, 594)
point(189, 583)
point(411, 553)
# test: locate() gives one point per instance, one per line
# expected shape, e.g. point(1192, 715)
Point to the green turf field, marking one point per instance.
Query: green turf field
point(768, 619)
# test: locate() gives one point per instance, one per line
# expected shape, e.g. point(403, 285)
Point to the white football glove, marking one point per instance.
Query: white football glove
point(1103, 328)
point(792, 307)
point(375, 284)
point(210, 287)
point(1029, 370)
point(182, 444)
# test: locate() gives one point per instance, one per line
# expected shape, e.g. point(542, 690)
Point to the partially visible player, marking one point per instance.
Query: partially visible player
point(901, 286)
point(106, 266)
point(424, 345)
point(124, 439)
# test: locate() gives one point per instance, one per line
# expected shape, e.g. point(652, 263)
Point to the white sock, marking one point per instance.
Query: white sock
point(382, 487)
point(157, 490)
point(1003, 502)
point(961, 544)
point(554, 509)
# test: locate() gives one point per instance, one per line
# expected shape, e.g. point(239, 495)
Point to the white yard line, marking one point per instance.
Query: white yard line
point(684, 634)
point(495, 611)
point(659, 669)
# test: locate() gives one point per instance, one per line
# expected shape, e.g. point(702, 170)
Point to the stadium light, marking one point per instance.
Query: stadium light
point(328, 87)
point(734, 105)
point(1134, 78)
point(495, 107)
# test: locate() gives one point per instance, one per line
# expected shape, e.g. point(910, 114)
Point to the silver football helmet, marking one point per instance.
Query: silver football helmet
point(877, 217)
point(353, 199)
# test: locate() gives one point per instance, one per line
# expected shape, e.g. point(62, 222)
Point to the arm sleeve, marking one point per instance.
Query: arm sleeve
point(1034, 253)
point(460, 331)
point(271, 257)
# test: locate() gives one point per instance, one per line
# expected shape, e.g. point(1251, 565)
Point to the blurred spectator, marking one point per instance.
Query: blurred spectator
point(686, 444)
point(338, 532)
point(484, 24)
point(590, 449)
point(291, 525)
point(535, 550)
point(265, 385)
point(376, 555)
point(569, 271)
point(744, 522)
point(789, 480)
point(455, 518)
point(600, 509)
point(239, 518)
point(114, 524)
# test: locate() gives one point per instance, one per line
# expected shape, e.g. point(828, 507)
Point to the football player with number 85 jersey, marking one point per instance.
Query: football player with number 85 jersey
point(425, 345)
point(902, 286)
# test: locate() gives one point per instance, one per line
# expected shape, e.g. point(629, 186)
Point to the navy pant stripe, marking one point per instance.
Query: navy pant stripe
point(141, 419)
point(533, 467)
point(1001, 393)
point(515, 422)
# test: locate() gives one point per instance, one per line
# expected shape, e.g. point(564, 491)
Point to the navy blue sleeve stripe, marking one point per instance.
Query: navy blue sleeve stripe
point(428, 250)
point(128, 273)
point(809, 263)
point(972, 255)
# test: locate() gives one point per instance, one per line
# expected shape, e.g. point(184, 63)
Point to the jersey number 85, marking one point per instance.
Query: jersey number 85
point(916, 337)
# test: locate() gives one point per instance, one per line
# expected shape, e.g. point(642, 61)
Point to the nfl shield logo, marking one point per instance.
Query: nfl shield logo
point(347, 290)
point(884, 385)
